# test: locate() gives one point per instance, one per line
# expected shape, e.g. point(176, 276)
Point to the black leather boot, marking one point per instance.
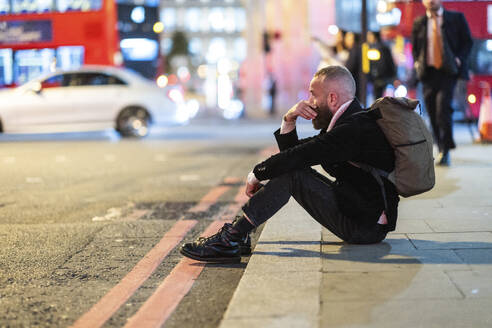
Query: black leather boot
point(226, 246)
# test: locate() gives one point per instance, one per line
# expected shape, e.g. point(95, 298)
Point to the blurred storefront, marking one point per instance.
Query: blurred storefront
point(204, 45)
point(241, 52)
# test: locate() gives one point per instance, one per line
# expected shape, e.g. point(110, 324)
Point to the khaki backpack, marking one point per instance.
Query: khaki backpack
point(408, 135)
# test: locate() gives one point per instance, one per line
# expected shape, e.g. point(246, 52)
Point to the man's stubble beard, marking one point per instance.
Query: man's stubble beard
point(323, 118)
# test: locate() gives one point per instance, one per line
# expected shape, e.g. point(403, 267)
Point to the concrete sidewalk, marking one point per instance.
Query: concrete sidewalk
point(435, 270)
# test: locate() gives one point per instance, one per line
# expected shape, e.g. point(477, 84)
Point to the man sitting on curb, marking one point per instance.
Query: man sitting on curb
point(352, 207)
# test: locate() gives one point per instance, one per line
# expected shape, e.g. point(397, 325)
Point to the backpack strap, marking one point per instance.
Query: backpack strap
point(377, 174)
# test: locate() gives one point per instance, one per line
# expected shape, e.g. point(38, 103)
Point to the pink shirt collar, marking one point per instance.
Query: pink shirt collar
point(338, 113)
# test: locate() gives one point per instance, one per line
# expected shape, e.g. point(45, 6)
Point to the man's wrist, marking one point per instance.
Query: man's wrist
point(287, 126)
point(285, 119)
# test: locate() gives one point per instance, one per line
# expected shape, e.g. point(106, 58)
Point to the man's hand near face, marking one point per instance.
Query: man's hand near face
point(302, 109)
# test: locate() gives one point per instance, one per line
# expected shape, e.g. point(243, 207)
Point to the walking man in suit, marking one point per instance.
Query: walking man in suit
point(441, 43)
point(352, 207)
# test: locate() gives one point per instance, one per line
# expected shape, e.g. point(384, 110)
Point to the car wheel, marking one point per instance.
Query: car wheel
point(133, 122)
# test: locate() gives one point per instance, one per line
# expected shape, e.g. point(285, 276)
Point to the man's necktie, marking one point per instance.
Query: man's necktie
point(437, 43)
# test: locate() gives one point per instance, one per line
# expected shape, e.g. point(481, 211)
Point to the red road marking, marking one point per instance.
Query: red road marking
point(119, 294)
point(157, 309)
point(232, 180)
point(209, 199)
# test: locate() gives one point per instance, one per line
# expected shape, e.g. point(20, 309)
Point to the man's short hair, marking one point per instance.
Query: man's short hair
point(339, 74)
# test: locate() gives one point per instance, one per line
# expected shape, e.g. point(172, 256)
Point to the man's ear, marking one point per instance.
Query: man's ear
point(332, 98)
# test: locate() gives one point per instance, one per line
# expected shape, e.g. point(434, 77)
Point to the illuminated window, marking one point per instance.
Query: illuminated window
point(229, 20)
point(4, 7)
point(195, 46)
point(70, 57)
point(216, 50)
point(204, 21)
point(31, 63)
point(6, 74)
point(139, 49)
point(481, 57)
point(166, 45)
point(181, 16)
point(168, 18)
point(78, 5)
point(32, 6)
point(240, 49)
point(192, 20)
point(240, 19)
point(216, 19)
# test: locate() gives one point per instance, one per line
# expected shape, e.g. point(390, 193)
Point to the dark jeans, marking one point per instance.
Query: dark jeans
point(438, 89)
point(314, 192)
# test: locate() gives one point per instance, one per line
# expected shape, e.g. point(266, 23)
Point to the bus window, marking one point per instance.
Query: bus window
point(69, 57)
point(77, 5)
point(4, 7)
point(6, 74)
point(32, 6)
point(31, 63)
point(481, 57)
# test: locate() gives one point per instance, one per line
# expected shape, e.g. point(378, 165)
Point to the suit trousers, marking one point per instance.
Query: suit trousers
point(314, 192)
point(438, 88)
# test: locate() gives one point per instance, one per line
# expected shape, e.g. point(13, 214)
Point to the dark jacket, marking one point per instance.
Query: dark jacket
point(382, 71)
point(354, 138)
point(457, 42)
point(354, 64)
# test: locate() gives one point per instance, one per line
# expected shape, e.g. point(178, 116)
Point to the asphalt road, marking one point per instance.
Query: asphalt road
point(78, 212)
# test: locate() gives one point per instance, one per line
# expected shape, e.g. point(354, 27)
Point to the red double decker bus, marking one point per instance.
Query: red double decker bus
point(39, 35)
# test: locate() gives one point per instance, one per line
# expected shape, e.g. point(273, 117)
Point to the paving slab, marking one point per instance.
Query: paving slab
point(475, 221)
point(409, 283)
point(276, 257)
point(286, 321)
point(448, 212)
point(454, 313)
point(455, 240)
point(473, 284)
point(372, 261)
point(413, 226)
point(477, 259)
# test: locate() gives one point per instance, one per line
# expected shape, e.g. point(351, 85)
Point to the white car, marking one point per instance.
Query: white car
point(90, 98)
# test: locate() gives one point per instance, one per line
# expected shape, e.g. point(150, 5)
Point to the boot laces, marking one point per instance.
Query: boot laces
point(216, 237)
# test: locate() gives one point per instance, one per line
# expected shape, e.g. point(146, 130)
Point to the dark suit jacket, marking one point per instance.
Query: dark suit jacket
point(457, 42)
point(354, 138)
